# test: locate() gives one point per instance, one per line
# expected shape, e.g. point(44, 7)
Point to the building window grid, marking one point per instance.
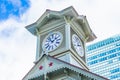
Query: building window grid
point(103, 43)
point(115, 59)
point(101, 50)
point(99, 60)
point(101, 70)
point(118, 59)
point(115, 70)
point(103, 47)
point(115, 76)
point(104, 72)
point(105, 64)
point(110, 54)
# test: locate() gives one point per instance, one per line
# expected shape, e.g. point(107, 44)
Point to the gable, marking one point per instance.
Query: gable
point(44, 65)
point(48, 64)
point(47, 20)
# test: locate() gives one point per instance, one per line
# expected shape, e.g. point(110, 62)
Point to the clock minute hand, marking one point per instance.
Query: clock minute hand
point(52, 40)
point(78, 45)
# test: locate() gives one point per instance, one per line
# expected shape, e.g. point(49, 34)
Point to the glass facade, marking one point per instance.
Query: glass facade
point(103, 57)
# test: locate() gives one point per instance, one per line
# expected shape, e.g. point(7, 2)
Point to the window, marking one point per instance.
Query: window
point(119, 54)
point(119, 59)
point(115, 76)
point(112, 56)
point(110, 61)
point(102, 59)
point(115, 70)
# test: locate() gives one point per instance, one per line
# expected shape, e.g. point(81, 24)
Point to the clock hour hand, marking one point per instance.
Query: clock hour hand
point(78, 45)
point(49, 39)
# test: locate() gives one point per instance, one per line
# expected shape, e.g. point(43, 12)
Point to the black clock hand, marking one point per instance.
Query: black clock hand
point(78, 45)
point(49, 39)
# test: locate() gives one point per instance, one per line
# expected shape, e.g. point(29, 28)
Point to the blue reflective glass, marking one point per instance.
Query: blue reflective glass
point(112, 56)
point(102, 59)
point(111, 61)
point(115, 70)
point(119, 58)
point(115, 76)
point(118, 54)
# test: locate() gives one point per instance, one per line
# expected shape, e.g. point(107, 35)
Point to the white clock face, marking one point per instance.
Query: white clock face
point(52, 41)
point(77, 45)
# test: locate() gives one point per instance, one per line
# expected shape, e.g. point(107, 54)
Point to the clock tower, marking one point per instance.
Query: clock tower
point(61, 38)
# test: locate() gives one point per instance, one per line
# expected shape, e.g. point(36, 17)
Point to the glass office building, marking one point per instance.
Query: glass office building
point(103, 57)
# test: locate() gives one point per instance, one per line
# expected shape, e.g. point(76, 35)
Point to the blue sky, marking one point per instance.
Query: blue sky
point(18, 46)
point(13, 8)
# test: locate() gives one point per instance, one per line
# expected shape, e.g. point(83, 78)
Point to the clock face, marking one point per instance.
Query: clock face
point(77, 45)
point(52, 41)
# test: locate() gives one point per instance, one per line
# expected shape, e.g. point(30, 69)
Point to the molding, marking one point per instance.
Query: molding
point(77, 57)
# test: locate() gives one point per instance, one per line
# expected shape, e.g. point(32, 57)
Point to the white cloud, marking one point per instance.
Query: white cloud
point(15, 50)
